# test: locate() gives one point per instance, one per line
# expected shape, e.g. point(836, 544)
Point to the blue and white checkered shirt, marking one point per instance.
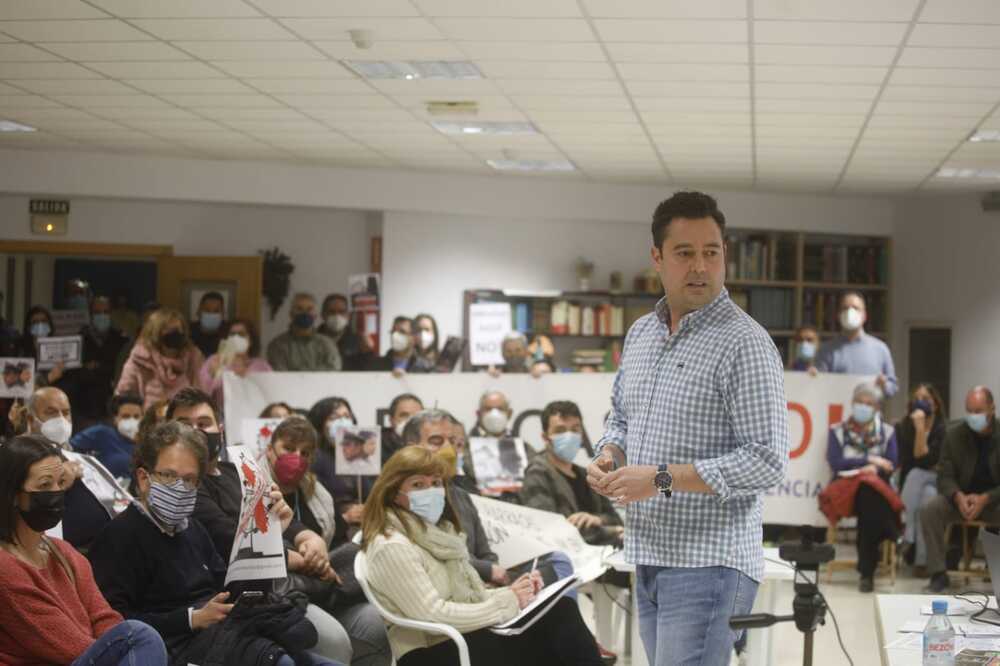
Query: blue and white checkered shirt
point(711, 395)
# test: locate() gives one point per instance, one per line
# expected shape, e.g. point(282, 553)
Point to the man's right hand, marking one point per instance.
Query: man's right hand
point(213, 612)
point(601, 465)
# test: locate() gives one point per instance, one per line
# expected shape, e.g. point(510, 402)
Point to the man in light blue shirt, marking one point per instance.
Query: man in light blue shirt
point(856, 352)
point(698, 431)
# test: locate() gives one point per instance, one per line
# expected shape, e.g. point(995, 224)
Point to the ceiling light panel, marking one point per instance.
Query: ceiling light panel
point(476, 128)
point(455, 70)
point(11, 126)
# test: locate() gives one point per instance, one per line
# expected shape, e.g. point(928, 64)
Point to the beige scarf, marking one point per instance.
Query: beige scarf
point(448, 548)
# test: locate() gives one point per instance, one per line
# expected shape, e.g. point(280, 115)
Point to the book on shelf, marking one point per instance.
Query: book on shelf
point(846, 264)
point(573, 327)
point(522, 317)
point(559, 318)
point(760, 257)
point(587, 320)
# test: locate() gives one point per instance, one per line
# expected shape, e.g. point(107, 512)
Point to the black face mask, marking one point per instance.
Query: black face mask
point(175, 340)
point(45, 509)
point(214, 443)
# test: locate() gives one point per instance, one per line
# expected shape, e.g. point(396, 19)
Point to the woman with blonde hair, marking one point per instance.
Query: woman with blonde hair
point(163, 360)
point(418, 568)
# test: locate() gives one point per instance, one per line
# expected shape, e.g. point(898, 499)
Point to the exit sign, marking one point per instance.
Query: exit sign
point(49, 217)
point(49, 207)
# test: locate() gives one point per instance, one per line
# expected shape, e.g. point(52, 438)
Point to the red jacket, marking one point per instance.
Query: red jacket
point(837, 499)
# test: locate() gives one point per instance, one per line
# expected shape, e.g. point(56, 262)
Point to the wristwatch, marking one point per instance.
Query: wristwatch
point(664, 481)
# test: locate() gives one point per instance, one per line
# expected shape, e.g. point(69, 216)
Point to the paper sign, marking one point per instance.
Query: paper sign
point(257, 435)
point(101, 483)
point(69, 322)
point(18, 377)
point(258, 549)
point(67, 350)
point(358, 451)
point(488, 324)
point(499, 463)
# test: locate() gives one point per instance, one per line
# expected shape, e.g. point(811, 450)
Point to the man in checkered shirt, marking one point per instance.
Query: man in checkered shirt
point(697, 432)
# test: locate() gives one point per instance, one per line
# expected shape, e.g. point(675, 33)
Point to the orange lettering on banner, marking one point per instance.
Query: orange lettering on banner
point(835, 414)
point(806, 428)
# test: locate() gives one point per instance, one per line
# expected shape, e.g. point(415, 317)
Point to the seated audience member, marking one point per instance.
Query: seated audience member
point(93, 383)
point(206, 329)
point(157, 564)
point(520, 357)
point(493, 416)
point(37, 325)
point(968, 480)
point(427, 344)
point(113, 444)
point(300, 348)
point(51, 611)
point(920, 436)
point(239, 352)
point(806, 346)
point(355, 352)
point(163, 360)
point(328, 416)
point(418, 568)
point(401, 352)
point(855, 352)
point(401, 408)
point(554, 483)
point(276, 410)
point(292, 448)
point(866, 444)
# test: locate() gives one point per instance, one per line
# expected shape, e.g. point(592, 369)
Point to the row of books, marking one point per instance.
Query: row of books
point(772, 308)
point(853, 264)
point(760, 258)
point(567, 318)
point(822, 310)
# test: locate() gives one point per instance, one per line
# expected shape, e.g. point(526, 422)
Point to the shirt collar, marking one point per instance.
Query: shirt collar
point(662, 310)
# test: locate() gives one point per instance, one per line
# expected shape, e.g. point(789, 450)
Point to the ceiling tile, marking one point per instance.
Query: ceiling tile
point(176, 8)
point(126, 113)
point(25, 53)
point(534, 51)
point(336, 101)
point(73, 31)
point(828, 32)
point(672, 9)
point(842, 10)
point(581, 115)
point(274, 126)
point(682, 118)
point(301, 69)
point(508, 8)
point(156, 70)
point(388, 29)
point(252, 50)
point(931, 93)
point(11, 90)
point(516, 30)
point(191, 86)
point(971, 78)
point(48, 9)
point(437, 88)
point(311, 86)
point(231, 113)
point(653, 30)
point(813, 120)
point(661, 72)
point(678, 53)
point(914, 56)
point(336, 116)
point(556, 87)
point(45, 70)
point(774, 54)
point(551, 102)
point(713, 104)
point(215, 29)
point(26, 102)
point(693, 89)
point(395, 50)
point(55, 115)
point(967, 11)
point(117, 101)
point(928, 120)
point(57, 125)
point(173, 128)
point(546, 70)
point(765, 132)
point(954, 109)
point(326, 8)
point(966, 36)
point(221, 101)
point(818, 74)
point(116, 51)
point(810, 91)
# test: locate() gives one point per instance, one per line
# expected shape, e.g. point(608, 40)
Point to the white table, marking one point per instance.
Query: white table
point(776, 573)
point(894, 610)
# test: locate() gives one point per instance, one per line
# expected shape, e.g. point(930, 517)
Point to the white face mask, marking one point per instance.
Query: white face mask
point(399, 427)
point(129, 427)
point(850, 319)
point(58, 430)
point(333, 427)
point(237, 344)
point(337, 322)
point(426, 339)
point(495, 421)
point(400, 341)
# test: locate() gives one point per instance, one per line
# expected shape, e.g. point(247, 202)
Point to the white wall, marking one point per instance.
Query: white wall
point(325, 245)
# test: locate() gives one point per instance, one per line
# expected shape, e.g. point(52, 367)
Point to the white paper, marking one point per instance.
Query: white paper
point(257, 435)
point(258, 550)
point(499, 463)
point(488, 324)
point(546, 593)
point(960, 607)
point(18, 377)
point(67, 350)
point(69, 322)
point(907, 642)
point(847, 473)
point(358, 451)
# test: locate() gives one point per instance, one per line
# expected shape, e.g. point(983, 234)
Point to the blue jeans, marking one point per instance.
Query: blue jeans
point(684, 613)
point(128, 643)
point(920, 487)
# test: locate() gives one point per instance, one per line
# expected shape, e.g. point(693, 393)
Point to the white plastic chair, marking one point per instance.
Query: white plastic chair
point(361, 573)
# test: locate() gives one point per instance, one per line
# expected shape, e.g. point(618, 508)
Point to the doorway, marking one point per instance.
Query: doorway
point(930, 358)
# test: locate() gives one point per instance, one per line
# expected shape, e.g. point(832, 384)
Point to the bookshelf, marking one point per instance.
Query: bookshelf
point(783, 279)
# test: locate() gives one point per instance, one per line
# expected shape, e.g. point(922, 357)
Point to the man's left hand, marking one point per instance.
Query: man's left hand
point(313, 551)
point(880, 381)
point(630, 483)
point(977, 504)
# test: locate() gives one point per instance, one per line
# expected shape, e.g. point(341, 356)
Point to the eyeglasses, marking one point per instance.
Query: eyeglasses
point(169, 478)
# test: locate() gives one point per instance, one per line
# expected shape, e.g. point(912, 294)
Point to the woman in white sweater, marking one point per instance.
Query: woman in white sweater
point(418, 567)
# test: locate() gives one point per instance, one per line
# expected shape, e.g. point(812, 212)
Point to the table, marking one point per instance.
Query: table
point(758, 650)
point(894, 610)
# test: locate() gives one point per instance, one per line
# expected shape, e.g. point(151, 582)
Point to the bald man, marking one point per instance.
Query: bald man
point(968, 480)
point(49, 415)
point(493, 415)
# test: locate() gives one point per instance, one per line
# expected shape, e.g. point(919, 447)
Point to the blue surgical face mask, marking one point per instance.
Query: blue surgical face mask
point(807, 351)
point(333, 427)
point(566, 445)
point(101, 322)
point(210, 321)
point(427, 503)
point(862, 413)
point(40, 329)
point(76, 302)
point(977, 422)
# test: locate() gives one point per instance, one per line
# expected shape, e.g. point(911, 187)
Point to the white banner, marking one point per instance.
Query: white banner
point(258, 550)
point(814, 404)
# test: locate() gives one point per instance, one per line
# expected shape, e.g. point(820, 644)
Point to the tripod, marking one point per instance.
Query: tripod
point(808, 607)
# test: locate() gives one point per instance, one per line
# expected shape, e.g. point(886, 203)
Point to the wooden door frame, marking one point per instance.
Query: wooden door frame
point(87, 249)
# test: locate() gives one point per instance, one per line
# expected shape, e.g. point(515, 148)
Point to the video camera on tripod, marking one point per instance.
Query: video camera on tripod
point(808, 607)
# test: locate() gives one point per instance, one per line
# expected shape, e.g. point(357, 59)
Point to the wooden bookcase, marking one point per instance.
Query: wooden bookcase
point(783, 279)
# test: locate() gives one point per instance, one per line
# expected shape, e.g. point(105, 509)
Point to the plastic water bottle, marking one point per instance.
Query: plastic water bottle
point(939, 637)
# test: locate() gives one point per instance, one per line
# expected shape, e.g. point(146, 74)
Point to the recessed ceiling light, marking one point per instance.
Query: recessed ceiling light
point(484, 127)
point(11, 126)
point(531, 165)
point(982, 135)
point(409, 70)
point(966, 172)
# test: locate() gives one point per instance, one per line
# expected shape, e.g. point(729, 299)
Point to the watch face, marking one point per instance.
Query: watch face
point(663, 480)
